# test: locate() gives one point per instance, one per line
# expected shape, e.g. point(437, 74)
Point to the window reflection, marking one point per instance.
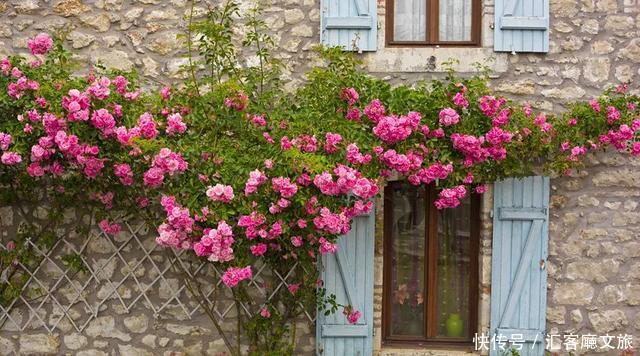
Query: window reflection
point(454, 270)
point(408, 261)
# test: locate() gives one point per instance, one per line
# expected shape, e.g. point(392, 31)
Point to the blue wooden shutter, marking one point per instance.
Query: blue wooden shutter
point(348, 274)
point(351, 24)
point(521, 26)
point(518, 273)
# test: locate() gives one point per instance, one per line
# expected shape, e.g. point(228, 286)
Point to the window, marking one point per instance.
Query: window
point(433, 22)
point(430, 268)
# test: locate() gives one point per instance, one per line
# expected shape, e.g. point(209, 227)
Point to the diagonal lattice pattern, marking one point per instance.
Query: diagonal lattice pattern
point(124, 272)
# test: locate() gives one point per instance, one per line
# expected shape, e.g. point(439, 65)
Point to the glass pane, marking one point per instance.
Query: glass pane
point(454, 270)
point(407, 261)
point(455, 20)
point(410, 20)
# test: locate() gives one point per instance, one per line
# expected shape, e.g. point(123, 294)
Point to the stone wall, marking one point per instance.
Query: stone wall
point(594, 250)
point(141, 34)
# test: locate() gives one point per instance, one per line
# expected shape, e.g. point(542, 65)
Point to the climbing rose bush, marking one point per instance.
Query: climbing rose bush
point(247, 172)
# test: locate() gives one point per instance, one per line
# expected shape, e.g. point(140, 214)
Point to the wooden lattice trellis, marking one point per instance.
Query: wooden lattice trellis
point(129, 271)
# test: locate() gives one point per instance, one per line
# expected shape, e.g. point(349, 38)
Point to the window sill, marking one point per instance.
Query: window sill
point(430, 59)
point(463, 44)
point(428, 350)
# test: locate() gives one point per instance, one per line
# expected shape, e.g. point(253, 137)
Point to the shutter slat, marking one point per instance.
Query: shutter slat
point(520, 239)
point(524, 23)
point(522, 213)
point(345, 330)
point(353, 22)
point(530, 199)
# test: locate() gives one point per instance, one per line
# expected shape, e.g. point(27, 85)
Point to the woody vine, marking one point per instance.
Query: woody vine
point(236, 170)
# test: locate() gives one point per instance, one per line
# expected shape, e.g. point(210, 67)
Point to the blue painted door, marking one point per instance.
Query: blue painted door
point(348, 274)
point(350, 24)
point(521, 26)
point(518, 273)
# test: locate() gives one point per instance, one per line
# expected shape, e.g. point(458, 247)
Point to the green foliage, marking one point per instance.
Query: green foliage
point(215, 42)
point(74, 262)
point(510, 352)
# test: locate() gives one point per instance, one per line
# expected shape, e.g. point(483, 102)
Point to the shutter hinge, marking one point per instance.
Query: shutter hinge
point(355, 43)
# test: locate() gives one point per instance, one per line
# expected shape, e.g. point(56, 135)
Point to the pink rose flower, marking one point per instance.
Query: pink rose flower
point(296, 241)
point(327, 247)
point(41, 44)
point(165, 92)
point(374, 111)
point(216, 244)
point(124, 173)
point(332, 140)
point(350, 95)
point(10, 158)
point(234, 275)
point(293, 288)
point(147, 126)
point(258, 120)
point(259, 249)
point(448, 117)
point(220, 192)
point(5, 141)
point(238, 102)
point(392, 129)
point(351, 314)
point(108, 228)
point(265, 313)
point(450, 198)
point(175, 125)
point(353, 114)
point(153, 177)
point(284, 187)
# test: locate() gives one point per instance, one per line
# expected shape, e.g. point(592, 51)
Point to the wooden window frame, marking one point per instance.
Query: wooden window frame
point(432, 31)
point(431, 253)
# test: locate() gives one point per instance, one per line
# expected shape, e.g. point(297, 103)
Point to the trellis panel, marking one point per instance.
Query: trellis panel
point(131, 271)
